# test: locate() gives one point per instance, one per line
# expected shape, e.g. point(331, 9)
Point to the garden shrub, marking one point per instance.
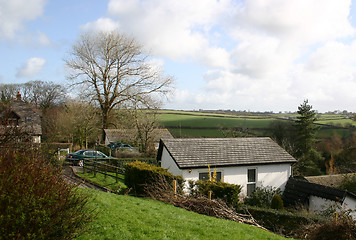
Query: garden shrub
point(35, 201)
point(277, 202)
point(225, 191)
point(139, 174)
point(262, 197)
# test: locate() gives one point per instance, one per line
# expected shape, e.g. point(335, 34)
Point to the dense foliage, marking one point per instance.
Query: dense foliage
point(227, 192)
point(262, 197)
point(35, 202)
point(342, 228)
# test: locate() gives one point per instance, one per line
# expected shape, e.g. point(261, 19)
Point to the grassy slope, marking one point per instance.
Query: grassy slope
point(108, 182)
point(125, 217)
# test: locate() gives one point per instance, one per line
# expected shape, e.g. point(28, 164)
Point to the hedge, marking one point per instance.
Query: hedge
point(281, 221)
point(225, 191)
point(139, 174)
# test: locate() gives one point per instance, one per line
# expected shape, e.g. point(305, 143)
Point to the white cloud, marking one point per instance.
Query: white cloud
point(260, 55)
point(43, 39)
point(14, 13)
point(31, 68)
point(101, 25)
point(301, 21)
point(175, 29)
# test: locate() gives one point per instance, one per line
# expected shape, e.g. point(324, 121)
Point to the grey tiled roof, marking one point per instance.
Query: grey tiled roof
point(23, 110)
point(199, 152)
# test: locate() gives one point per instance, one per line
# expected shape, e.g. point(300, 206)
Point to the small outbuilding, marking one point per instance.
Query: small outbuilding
point(317, 197)
point(248, 162)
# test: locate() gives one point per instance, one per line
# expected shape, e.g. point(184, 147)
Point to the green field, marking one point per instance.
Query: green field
point(200, 124)
point(126, 217)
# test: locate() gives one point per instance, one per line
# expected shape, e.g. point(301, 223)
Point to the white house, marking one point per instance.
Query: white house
point(248, 162)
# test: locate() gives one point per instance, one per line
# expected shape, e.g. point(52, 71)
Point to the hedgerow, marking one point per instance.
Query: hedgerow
point(227, 192)
point(139, 175)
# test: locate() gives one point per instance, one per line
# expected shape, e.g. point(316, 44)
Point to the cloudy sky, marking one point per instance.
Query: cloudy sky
point(258, 55)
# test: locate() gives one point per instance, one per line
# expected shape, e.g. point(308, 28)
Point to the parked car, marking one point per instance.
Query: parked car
point(77, 158)
point(121, 146)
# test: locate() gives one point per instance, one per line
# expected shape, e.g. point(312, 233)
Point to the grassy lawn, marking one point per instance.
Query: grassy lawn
point(126, 217)
point(108, 182)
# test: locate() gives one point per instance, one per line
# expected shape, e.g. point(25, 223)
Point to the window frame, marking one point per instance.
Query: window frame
point(211, 172)
point(251, 183)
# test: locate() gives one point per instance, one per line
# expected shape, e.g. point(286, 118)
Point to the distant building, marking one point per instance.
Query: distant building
point(20, 114)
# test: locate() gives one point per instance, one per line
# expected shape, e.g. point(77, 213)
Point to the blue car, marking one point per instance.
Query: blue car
point(77, 158)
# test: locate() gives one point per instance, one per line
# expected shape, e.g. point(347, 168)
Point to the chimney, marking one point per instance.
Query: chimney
point(18, 96)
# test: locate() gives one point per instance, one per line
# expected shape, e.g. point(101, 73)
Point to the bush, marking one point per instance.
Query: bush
point(120, 162)
point(221, 190)
point(262, 197)
point(343, 228)
point(277, 202)
point(35, 202)
point(139, 174)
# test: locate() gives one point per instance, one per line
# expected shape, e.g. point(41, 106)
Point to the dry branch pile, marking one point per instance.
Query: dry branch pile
point(163, 191)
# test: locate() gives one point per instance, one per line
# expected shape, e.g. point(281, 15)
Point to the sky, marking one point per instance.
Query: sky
point(254, 55)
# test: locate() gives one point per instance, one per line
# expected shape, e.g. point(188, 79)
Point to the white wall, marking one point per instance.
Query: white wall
point(36, 139)
point(317, 204)
point(274, 175)
point(167, 162)
point(350, 203)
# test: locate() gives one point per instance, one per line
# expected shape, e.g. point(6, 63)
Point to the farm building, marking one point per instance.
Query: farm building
point(249, 162)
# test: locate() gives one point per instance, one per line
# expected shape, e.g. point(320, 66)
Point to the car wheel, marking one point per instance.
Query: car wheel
point(81, 163)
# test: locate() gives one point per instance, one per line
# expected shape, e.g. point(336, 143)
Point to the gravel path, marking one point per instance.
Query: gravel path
point(71, 178)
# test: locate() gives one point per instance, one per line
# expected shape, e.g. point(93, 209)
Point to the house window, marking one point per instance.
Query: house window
point(205, 176)
point(251, 181)
point(12, 122)
point(28, 119)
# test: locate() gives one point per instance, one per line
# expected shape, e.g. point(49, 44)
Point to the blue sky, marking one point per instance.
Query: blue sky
point(259, 55)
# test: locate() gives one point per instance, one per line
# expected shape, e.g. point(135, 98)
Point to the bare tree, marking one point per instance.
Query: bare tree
point(40, 94)
point(114, 70)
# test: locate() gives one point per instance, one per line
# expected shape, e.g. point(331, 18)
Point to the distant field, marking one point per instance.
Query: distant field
point(201, 124)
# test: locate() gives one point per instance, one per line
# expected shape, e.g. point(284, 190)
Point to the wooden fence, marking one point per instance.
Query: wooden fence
point(103, 168)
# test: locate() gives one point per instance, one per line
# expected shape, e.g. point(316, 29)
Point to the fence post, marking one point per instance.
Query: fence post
point(210, 192)
point(94, 168)
point(106, 170)
point(117, 179)
point(175, 188)
point(83, 166)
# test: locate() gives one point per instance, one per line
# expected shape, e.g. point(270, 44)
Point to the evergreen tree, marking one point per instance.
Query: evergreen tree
point(309, 160)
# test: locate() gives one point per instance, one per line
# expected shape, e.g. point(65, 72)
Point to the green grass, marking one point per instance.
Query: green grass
point(108, 182)
point(126, 217)
point(200, 124)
